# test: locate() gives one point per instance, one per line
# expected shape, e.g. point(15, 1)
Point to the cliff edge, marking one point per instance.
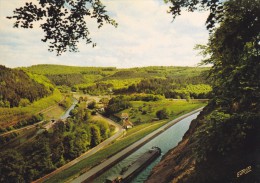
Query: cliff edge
point(222, 162)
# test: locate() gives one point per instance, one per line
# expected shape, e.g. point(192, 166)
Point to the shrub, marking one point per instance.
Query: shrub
point(162, 114)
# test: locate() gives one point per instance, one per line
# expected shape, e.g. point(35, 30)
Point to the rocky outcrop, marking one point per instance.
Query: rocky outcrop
point(236, 161)
point(178, 163)
point(175, 165)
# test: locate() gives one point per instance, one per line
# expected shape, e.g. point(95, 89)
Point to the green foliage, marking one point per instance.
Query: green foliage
point(80, 112)
point(104, 128)
point(66, 102)
point(24, 102)
point(121, 82)
point(16, 85)
point(162, 114)
point(170, 87)
point(227, 138)
point(41, 79)
point(6, 138)
point(215, 6)
point(46, 69)
point(95, 135)
point(11, 116)
point(12, 167)
point(153, 80)
point(66, 79)
point(51, 149)
point(117, 104)
point(98, 89)
point(146, 111)
point(92, 105)
point(64, 23)
point(231, 140)
point(32, 120)
point(73, 112)
point(101, 155)
point(104, 101)
point(144, 97)
point(194, 91)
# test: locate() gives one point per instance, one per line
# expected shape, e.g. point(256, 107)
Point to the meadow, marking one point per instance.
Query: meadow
point(145, 112)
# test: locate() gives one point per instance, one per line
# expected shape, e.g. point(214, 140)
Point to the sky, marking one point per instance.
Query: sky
point(145, 36)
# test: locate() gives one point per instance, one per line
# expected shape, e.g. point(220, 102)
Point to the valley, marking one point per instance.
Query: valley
point(57, 139)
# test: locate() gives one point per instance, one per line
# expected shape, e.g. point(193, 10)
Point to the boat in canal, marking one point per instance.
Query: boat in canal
point(129, 172)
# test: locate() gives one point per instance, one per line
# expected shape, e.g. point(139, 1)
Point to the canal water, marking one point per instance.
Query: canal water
point(67, 113)
point(166, 141)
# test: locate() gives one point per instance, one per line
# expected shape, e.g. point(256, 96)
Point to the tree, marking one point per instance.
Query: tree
point(73, 112)
point(92, 104)
point(95, 135)
point(216, 8)
point(162, 114)
point(226, 138)
point(63, 21)
point(24, 102)
point(104, 128)
point(12, 167)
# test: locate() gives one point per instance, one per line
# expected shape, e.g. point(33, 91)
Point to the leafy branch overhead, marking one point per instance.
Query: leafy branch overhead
point(63, 21)
point(215, 7)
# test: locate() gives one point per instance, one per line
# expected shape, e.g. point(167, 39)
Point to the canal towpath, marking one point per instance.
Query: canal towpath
point(102, 167)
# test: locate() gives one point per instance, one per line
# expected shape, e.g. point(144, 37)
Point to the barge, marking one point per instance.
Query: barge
point(129, 172)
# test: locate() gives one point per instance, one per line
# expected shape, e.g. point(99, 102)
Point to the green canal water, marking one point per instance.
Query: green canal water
point(166, 141)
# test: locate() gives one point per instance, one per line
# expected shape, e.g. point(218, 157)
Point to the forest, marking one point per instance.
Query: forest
point(52, 149)
point(13, 91)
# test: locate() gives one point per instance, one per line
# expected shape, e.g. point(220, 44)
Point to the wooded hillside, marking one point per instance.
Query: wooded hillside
point(172, 82)
point(18, 89)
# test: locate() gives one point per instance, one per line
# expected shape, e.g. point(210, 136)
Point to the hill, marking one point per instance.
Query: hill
point(23, 96)
point(173, 82)
point(19, 89)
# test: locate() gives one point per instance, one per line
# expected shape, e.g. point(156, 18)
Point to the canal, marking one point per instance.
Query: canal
point(166, 141)
point(67, 113)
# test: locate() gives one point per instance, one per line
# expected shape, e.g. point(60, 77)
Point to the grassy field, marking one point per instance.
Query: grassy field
point(133, 135)
point(145, 112)
point(122, 83)
point(10, 116)
point(55, 112)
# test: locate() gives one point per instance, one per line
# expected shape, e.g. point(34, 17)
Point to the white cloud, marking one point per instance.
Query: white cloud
point(145, 36)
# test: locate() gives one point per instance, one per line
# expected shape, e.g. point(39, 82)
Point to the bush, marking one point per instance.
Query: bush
point(162, 114)
point(92, 105)
point(93, 113)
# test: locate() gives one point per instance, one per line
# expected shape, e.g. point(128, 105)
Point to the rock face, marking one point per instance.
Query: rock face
point(238, 165)
point(178, 163)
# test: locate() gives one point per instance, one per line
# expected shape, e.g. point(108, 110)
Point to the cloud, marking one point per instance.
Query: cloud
point(145, 36)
